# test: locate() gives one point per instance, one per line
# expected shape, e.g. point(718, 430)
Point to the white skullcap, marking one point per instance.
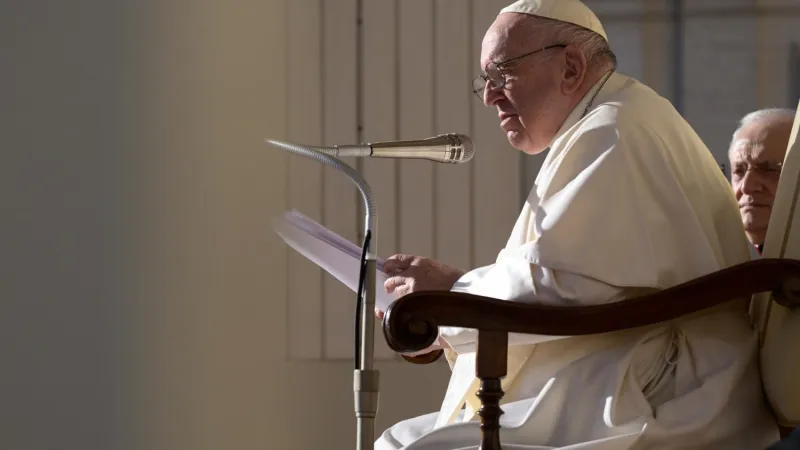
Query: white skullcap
point(572, 11)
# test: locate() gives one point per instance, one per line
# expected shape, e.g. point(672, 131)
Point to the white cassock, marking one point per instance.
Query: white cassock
point(628, 200)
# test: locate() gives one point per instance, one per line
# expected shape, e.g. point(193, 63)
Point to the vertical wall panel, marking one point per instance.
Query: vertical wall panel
point(340, 212)
point(304, 175)
point(656, 47)
point(496, 182)
point(380, 124)
point(793, 85)
point(416, 122)
point(718, 45)
point(777, 30)
point(624, 34)
point(453, 211)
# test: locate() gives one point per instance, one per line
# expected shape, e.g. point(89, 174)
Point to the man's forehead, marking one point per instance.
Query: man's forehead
point(748, 150)
point(761, 141)
point(495, 44)
point(505, 38)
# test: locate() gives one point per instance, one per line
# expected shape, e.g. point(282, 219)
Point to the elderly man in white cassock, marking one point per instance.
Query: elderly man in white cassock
point(628, 201)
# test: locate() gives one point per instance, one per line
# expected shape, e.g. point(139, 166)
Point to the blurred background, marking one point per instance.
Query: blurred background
point(145, 302)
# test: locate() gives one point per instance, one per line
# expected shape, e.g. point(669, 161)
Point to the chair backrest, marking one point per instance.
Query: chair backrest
point(779, 327)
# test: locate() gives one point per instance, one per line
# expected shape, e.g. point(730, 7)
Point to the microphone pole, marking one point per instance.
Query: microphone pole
point(366, 380)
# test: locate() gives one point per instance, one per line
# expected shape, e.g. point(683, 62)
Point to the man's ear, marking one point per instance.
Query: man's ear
point(575, 69)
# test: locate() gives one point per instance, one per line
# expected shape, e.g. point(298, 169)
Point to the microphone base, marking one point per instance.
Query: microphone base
point(365, 390)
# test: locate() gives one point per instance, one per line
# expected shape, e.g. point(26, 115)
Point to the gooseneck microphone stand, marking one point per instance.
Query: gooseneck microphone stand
point(366, 380)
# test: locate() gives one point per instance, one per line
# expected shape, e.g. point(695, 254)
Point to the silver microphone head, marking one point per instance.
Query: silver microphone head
point(446, 148)
point(461, 148)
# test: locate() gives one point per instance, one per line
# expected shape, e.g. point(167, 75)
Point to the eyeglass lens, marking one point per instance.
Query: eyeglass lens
point(495, 77)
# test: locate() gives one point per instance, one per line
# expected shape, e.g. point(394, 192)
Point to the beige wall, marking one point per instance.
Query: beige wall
point(144, 295)
point(211, 345)
point(64, 202)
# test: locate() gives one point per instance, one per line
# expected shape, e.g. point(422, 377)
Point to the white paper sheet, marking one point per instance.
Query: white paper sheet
point(338, 256)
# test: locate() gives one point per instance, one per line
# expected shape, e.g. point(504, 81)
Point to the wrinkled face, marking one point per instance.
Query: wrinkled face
point(539, 91)
point(756, 156)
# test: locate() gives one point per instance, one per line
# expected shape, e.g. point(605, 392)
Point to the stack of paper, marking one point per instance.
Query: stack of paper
point(338, 256)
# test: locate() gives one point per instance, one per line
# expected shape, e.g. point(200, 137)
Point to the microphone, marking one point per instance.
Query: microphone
point(445, 148)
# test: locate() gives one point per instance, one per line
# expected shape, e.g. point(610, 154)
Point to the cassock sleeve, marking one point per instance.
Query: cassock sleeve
point(515, 279)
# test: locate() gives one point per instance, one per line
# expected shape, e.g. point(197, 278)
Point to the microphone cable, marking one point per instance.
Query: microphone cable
point(360, 298)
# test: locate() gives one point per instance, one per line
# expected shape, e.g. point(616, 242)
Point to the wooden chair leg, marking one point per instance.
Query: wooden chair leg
point(490, 368)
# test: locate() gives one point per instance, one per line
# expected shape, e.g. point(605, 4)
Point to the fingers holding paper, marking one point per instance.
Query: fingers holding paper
point(398, 263)
point(408, 273)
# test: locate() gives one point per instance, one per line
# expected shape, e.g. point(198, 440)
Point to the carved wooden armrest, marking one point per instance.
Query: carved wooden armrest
point(412, 322)
point(426, 358)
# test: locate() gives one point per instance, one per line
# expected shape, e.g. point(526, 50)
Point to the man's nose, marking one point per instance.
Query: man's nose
point(751, 183)
point(491, 95)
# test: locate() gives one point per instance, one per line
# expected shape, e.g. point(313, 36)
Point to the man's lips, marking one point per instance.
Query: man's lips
point(505, 115)
point(505, 118)
point(753, 205)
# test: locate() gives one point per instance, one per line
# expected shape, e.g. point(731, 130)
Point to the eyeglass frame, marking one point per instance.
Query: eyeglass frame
point(485, 77)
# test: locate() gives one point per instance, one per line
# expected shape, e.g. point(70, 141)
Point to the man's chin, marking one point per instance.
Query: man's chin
point(753, 225)
point(520, 141)
point(516, 139)
point(755, 218)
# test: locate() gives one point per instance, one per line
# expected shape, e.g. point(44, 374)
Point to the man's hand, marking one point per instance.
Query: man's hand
point(409, 274)
point(415, 273)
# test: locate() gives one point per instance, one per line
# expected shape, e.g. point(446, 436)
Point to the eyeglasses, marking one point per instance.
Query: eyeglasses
point(496, 72)
point(768, 169)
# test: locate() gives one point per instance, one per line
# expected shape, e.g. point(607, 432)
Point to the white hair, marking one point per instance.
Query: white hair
point(594, 47)
point(773, 115)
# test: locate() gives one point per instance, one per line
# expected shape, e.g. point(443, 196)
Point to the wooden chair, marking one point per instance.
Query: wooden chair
point(411, 323)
